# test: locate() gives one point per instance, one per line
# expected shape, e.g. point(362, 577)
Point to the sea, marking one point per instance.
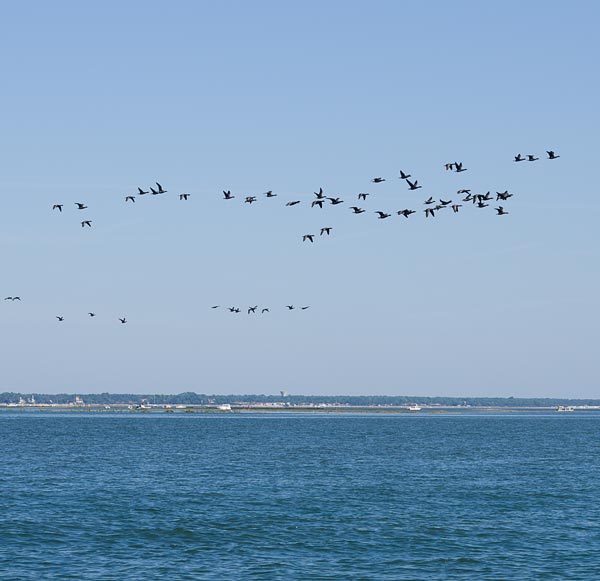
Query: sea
point(300, 496)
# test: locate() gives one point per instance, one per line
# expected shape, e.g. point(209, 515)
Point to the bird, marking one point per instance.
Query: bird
point(552, 155)
point(232, 309)
point(382, 215)
point(154, 192)
point(290, 307)
point(160, 189)
point(87, 223)
point(250, 199)
point(429, 212)
point(448, 166)
point(265, 310)
point(320, 195)
point(317, 203)
point(467, 198)
point(80, 206)
point(270, 194)
point(58, 207)
point(356, 209)
point(308, 237)
point(503, 195)
point(463, 191)
point(184, 196)
point(142, 192)
point(500, 211)
point(215, 307)
point(459, 167)
point(123, 320)
point(252, 309)
point(92, 314)
point(12, 299)
point(519, 157)
point(304, 308)
point(293, 203)
point(455, 207)
point(227, 195)
point(60, 318)
point(532, 158)
point(326, 230)
point(482, 205)
point(130, 199)
point(404, 176)
point(445, 202)
point(406, 213)
point(363, 196)
point(486, 198)
point(413, 185)
point(429, 200)
point(335, 201)
point(378, 180)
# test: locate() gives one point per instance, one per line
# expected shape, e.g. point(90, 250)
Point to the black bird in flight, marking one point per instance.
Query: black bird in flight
point(404, 176)
point(123, 320)
point(290, 307)
point(378, 180)
point(142, 192)
point(413, 185)
point(215, 307)
point(445, 202)
point(532, 158)
point(482, 205)
point(58, 207)
point(317, 203)
point(406, 213)
point(463, 192)
point(320, 195)
point(429, 212)
point(92, 314)
point(252, 309)
point(500, 211)
point(326, 230)
point(448, 166)
point(429, 200)
point(154, 192)
point(12, 299)
point(552, 155)
point(503, 195)
point(485, 198)
point(80, 206)
point(455, 207)
point(228, 195)
point(459, 167)
point(382, 215)
point(270, 194)
point(362, 196)
point(184, 196)
point(87, 223)
point(129, 199)
point(60, 318)
point(304, 308)
point(308, 237)
point(160, 189)
point(335, 201)
point(293, 203)
point(265, 310)
point(232, 309)
point(468, 198)
point(356, 209)
point(519, 157)
point(250, 199)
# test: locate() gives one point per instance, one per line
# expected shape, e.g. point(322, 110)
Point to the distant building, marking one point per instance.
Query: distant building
point(79, 401)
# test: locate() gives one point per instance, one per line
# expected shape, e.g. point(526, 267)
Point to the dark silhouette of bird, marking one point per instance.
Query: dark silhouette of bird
point(184, 196)
point(129, 199)
point(445, 202)
point(304, 308)
point(252, 309)
point(356, 209)
point(320, 195)
point(215, 307)
point(154, 192)
point(60, 318)
point(308, 237)
point(459, 167)
point(227, 195)
point(87, 223)
point(326, 230)
point(92, 314)
point(80, 206)
point(463, 192)
point(12, 299)
point(335, 201)
point(503, 195)
point(142, 192)
point(58, 207)
point(378, 180)
point(317, 203)
point(270, 194)
point(552, 155)
point(467, 198)
point(482, 205)
point(429, 200)
point(519, 157)
point(448, 166)
point(406, 213)
point(487, 197)
point(363, 196)
point(382, 215)
point(455, 207)
point(232, 309)
point(532, 158)
point(293, 203)
point(413, 185)
point(429, 212)
point(404, 176)
point(250, 199)
point(438, 207)
point(500, 211)
point(290, 307)
point(265, 310)
point(123, 320)
point(160, 189)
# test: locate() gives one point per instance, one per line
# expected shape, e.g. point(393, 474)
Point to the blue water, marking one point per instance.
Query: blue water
point(299, 497)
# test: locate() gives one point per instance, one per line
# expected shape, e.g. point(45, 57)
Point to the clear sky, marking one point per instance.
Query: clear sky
point(100, 98)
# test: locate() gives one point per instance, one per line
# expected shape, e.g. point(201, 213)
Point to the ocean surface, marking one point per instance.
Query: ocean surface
point(300, 496)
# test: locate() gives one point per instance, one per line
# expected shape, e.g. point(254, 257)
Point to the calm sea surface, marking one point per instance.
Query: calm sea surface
point(300, 497)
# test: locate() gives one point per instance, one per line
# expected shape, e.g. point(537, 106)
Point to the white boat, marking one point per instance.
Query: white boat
point(565, 408)
point(414, 408)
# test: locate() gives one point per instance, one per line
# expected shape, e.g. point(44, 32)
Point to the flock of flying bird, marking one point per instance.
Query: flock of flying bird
point(432, 207)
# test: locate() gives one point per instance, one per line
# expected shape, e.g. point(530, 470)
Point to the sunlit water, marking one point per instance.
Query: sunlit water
point(299, 497)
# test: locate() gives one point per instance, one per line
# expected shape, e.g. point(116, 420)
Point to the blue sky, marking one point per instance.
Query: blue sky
point(100, 99)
